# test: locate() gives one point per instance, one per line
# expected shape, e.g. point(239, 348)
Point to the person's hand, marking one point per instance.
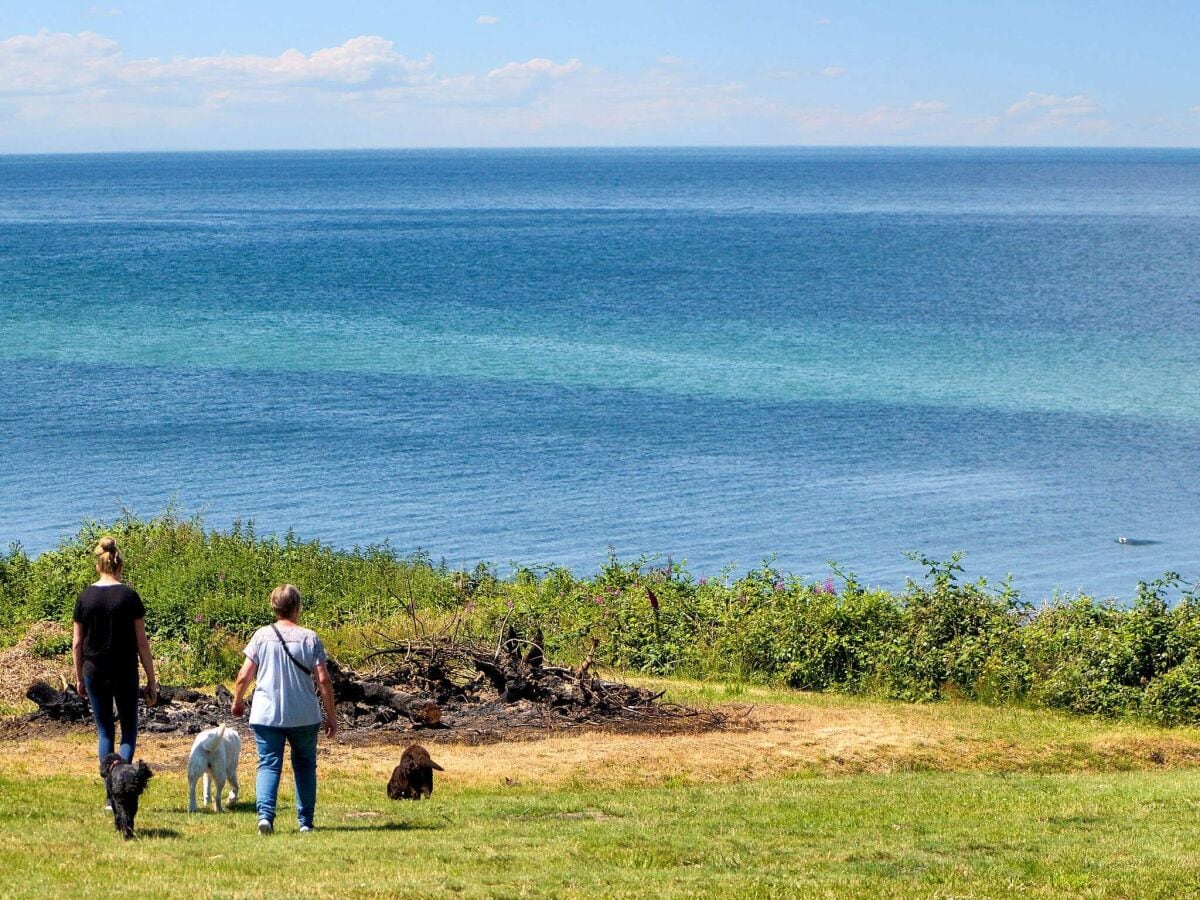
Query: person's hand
point(331, 727)
point(238, 706)
point(80, 688)
point(152, 693)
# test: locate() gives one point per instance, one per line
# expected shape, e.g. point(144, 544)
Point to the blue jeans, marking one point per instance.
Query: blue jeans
point(270, 740)
point(103, 690)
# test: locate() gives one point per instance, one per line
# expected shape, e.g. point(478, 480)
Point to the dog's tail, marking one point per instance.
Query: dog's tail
point(213, 739)
point(434, 765)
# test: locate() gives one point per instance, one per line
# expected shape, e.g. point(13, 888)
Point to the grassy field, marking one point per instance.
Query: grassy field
point(821, 797)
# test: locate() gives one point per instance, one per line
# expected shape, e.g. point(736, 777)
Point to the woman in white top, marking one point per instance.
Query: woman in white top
point(285, 658)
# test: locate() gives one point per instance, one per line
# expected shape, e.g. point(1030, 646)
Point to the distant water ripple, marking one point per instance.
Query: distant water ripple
point(531, 356)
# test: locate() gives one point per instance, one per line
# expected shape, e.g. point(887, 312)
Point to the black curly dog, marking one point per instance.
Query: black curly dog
point(125, 784)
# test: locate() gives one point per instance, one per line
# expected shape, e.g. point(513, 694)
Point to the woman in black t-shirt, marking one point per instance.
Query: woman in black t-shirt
point(110, 636)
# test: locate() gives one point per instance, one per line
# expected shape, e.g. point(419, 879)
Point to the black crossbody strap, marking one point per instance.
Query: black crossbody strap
point(303, 668)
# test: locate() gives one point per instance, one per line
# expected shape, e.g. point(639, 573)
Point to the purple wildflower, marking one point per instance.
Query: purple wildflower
point(779, 586)
point(198, 618)
point(829, 588)
point(598, 600)
point(703, 582)
point(220, 576)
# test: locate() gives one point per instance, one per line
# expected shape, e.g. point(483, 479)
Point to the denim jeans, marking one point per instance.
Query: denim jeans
point(270, 740)
point(103, 691)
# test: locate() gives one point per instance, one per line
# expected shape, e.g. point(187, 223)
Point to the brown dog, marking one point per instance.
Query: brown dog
point(413, 778)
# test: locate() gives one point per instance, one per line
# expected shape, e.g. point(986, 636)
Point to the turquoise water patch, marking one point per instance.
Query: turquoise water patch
point(532, 356)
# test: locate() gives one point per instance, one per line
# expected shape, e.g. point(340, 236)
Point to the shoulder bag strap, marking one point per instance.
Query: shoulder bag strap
point(303, 668)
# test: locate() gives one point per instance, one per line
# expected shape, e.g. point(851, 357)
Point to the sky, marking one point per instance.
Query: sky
point(313, 74)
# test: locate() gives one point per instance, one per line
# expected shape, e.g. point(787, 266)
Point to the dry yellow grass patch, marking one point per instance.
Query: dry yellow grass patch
point(811, 737)
point(20, 666)
point(781, 740)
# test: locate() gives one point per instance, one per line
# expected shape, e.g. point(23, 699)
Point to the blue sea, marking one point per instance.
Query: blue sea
point(533, 356)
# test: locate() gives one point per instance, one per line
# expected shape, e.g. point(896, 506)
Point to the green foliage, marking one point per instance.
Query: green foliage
point(1174, 697)
point(51, 645)
point(956, 638)
point(940, 637)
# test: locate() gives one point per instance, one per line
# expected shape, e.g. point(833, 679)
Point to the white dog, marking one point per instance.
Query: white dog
point(215, 756)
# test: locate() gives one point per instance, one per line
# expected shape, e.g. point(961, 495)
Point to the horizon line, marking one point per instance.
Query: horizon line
point(600, 147)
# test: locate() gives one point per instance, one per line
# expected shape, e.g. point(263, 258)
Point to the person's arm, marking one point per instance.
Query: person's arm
point(77, 656)
point(244, 677)
point(143, 647)
point(325, 688)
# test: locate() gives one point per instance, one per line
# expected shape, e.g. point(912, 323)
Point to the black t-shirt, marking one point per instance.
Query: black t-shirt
point(107, 614)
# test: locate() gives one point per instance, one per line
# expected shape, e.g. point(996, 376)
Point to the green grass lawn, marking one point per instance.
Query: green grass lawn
point(1129, 834)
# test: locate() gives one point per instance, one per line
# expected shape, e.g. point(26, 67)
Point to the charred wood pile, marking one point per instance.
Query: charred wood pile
point(468, 691)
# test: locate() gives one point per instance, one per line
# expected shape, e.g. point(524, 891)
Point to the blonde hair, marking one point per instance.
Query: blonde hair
point(108, 558)
point(285, 601)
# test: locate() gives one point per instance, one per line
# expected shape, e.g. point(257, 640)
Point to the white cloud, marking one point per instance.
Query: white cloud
point(535, 68)
point(1038, 112)
point(101, 12)
point(356, 61)
point(514, 84)
point(66, 84)
point(1051, 104)
point(51, 62)
point(914, 118)
point(80, 91)
point(488, 20)
point(668, 59)
point(824, 21)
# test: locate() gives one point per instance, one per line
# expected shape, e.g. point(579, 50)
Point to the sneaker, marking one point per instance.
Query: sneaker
point(108, 806)
point(305, 829)
point(265, 827)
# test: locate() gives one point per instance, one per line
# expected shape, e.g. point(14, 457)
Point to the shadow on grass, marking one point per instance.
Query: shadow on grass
point(158, 834)
point(382, 826)
point(243, 808)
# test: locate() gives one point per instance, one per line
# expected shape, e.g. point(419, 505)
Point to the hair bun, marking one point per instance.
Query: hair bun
point(108, 557)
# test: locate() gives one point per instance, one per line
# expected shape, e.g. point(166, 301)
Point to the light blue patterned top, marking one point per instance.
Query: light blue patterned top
point(284, 696)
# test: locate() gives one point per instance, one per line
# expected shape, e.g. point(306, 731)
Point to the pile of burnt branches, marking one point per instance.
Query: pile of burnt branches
point(484, 690)
point(178, 709)
point(468, 690)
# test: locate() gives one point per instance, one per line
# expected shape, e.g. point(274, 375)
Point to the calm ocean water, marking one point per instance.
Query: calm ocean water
point(531, 356)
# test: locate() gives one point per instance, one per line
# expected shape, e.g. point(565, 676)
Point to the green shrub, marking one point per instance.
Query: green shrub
point(206, 591)
point(1173, 698)
point(48, 646)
